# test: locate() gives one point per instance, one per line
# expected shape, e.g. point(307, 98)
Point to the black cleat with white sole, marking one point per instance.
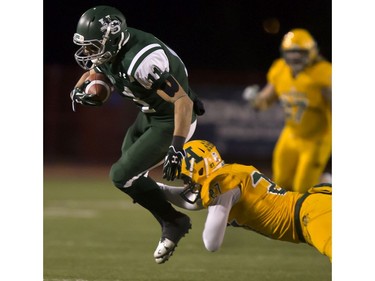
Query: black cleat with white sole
point(171, 234)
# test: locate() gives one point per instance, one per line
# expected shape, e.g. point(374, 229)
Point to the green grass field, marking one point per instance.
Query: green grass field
point(93, 232)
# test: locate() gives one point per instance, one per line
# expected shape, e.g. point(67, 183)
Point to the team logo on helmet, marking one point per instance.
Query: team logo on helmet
point(114, 25)
point(190, 154)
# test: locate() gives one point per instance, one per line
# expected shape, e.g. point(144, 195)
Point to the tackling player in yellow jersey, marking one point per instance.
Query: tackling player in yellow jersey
point(241, 196)
point(301, 81)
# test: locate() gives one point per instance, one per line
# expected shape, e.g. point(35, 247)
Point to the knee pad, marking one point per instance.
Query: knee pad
point(121, 177)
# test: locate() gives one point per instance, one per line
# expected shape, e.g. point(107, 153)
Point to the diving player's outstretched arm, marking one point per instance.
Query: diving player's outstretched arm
point(217, 219)
point(173, 195)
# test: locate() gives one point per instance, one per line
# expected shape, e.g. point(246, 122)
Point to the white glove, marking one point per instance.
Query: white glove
point(250, 93)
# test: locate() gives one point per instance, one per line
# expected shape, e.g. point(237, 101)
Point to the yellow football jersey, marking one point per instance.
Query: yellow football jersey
point(306, 111)
point(263, 206)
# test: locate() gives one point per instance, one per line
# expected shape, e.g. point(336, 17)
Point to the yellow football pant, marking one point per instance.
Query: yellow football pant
point(316, 222)
point(298, 163)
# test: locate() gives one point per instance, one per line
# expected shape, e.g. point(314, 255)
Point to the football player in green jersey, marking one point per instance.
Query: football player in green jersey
point(142, 68)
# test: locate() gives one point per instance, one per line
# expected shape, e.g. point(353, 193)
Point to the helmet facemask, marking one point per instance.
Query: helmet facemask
point(192, 190)
point(297, 59)
point(91, 53)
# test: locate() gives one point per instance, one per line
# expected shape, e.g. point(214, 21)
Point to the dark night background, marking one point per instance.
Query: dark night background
point(225, 47)
point(215, 35)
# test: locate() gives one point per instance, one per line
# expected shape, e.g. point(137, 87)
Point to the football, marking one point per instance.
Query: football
point(99, 86)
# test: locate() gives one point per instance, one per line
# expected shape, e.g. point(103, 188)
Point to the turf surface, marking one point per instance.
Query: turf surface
point(93, 232)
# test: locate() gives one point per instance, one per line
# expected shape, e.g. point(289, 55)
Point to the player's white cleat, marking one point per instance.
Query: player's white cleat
point(172, 233)
point(164, 250)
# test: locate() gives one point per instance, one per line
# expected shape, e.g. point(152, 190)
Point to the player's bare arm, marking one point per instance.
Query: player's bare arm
point(266, 97)
point(171, 91)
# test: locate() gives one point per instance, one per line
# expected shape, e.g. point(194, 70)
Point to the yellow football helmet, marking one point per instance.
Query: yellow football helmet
point(299, 48)
point(201, 160)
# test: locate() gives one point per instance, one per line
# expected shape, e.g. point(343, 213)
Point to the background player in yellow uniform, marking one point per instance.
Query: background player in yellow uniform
point(242, 196)
point(301, 81)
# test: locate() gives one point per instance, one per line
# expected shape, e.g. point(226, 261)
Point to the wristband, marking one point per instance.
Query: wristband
point(178, 142)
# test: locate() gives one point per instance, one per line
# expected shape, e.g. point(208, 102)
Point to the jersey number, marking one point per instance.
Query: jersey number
point(294, 111)
point(272, 188)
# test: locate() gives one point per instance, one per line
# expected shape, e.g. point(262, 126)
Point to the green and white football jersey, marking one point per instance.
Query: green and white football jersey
point(142, 64)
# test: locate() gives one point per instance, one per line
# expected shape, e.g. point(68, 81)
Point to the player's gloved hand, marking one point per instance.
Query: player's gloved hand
point(250, 94)
point(173, 159)
point(77, 95)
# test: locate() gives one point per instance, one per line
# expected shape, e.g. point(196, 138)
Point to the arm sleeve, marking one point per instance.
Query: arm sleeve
point(172, 193)
point(217, 219)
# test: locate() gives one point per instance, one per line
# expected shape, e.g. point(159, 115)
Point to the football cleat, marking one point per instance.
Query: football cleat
point(171, 235)
point(164, 250)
